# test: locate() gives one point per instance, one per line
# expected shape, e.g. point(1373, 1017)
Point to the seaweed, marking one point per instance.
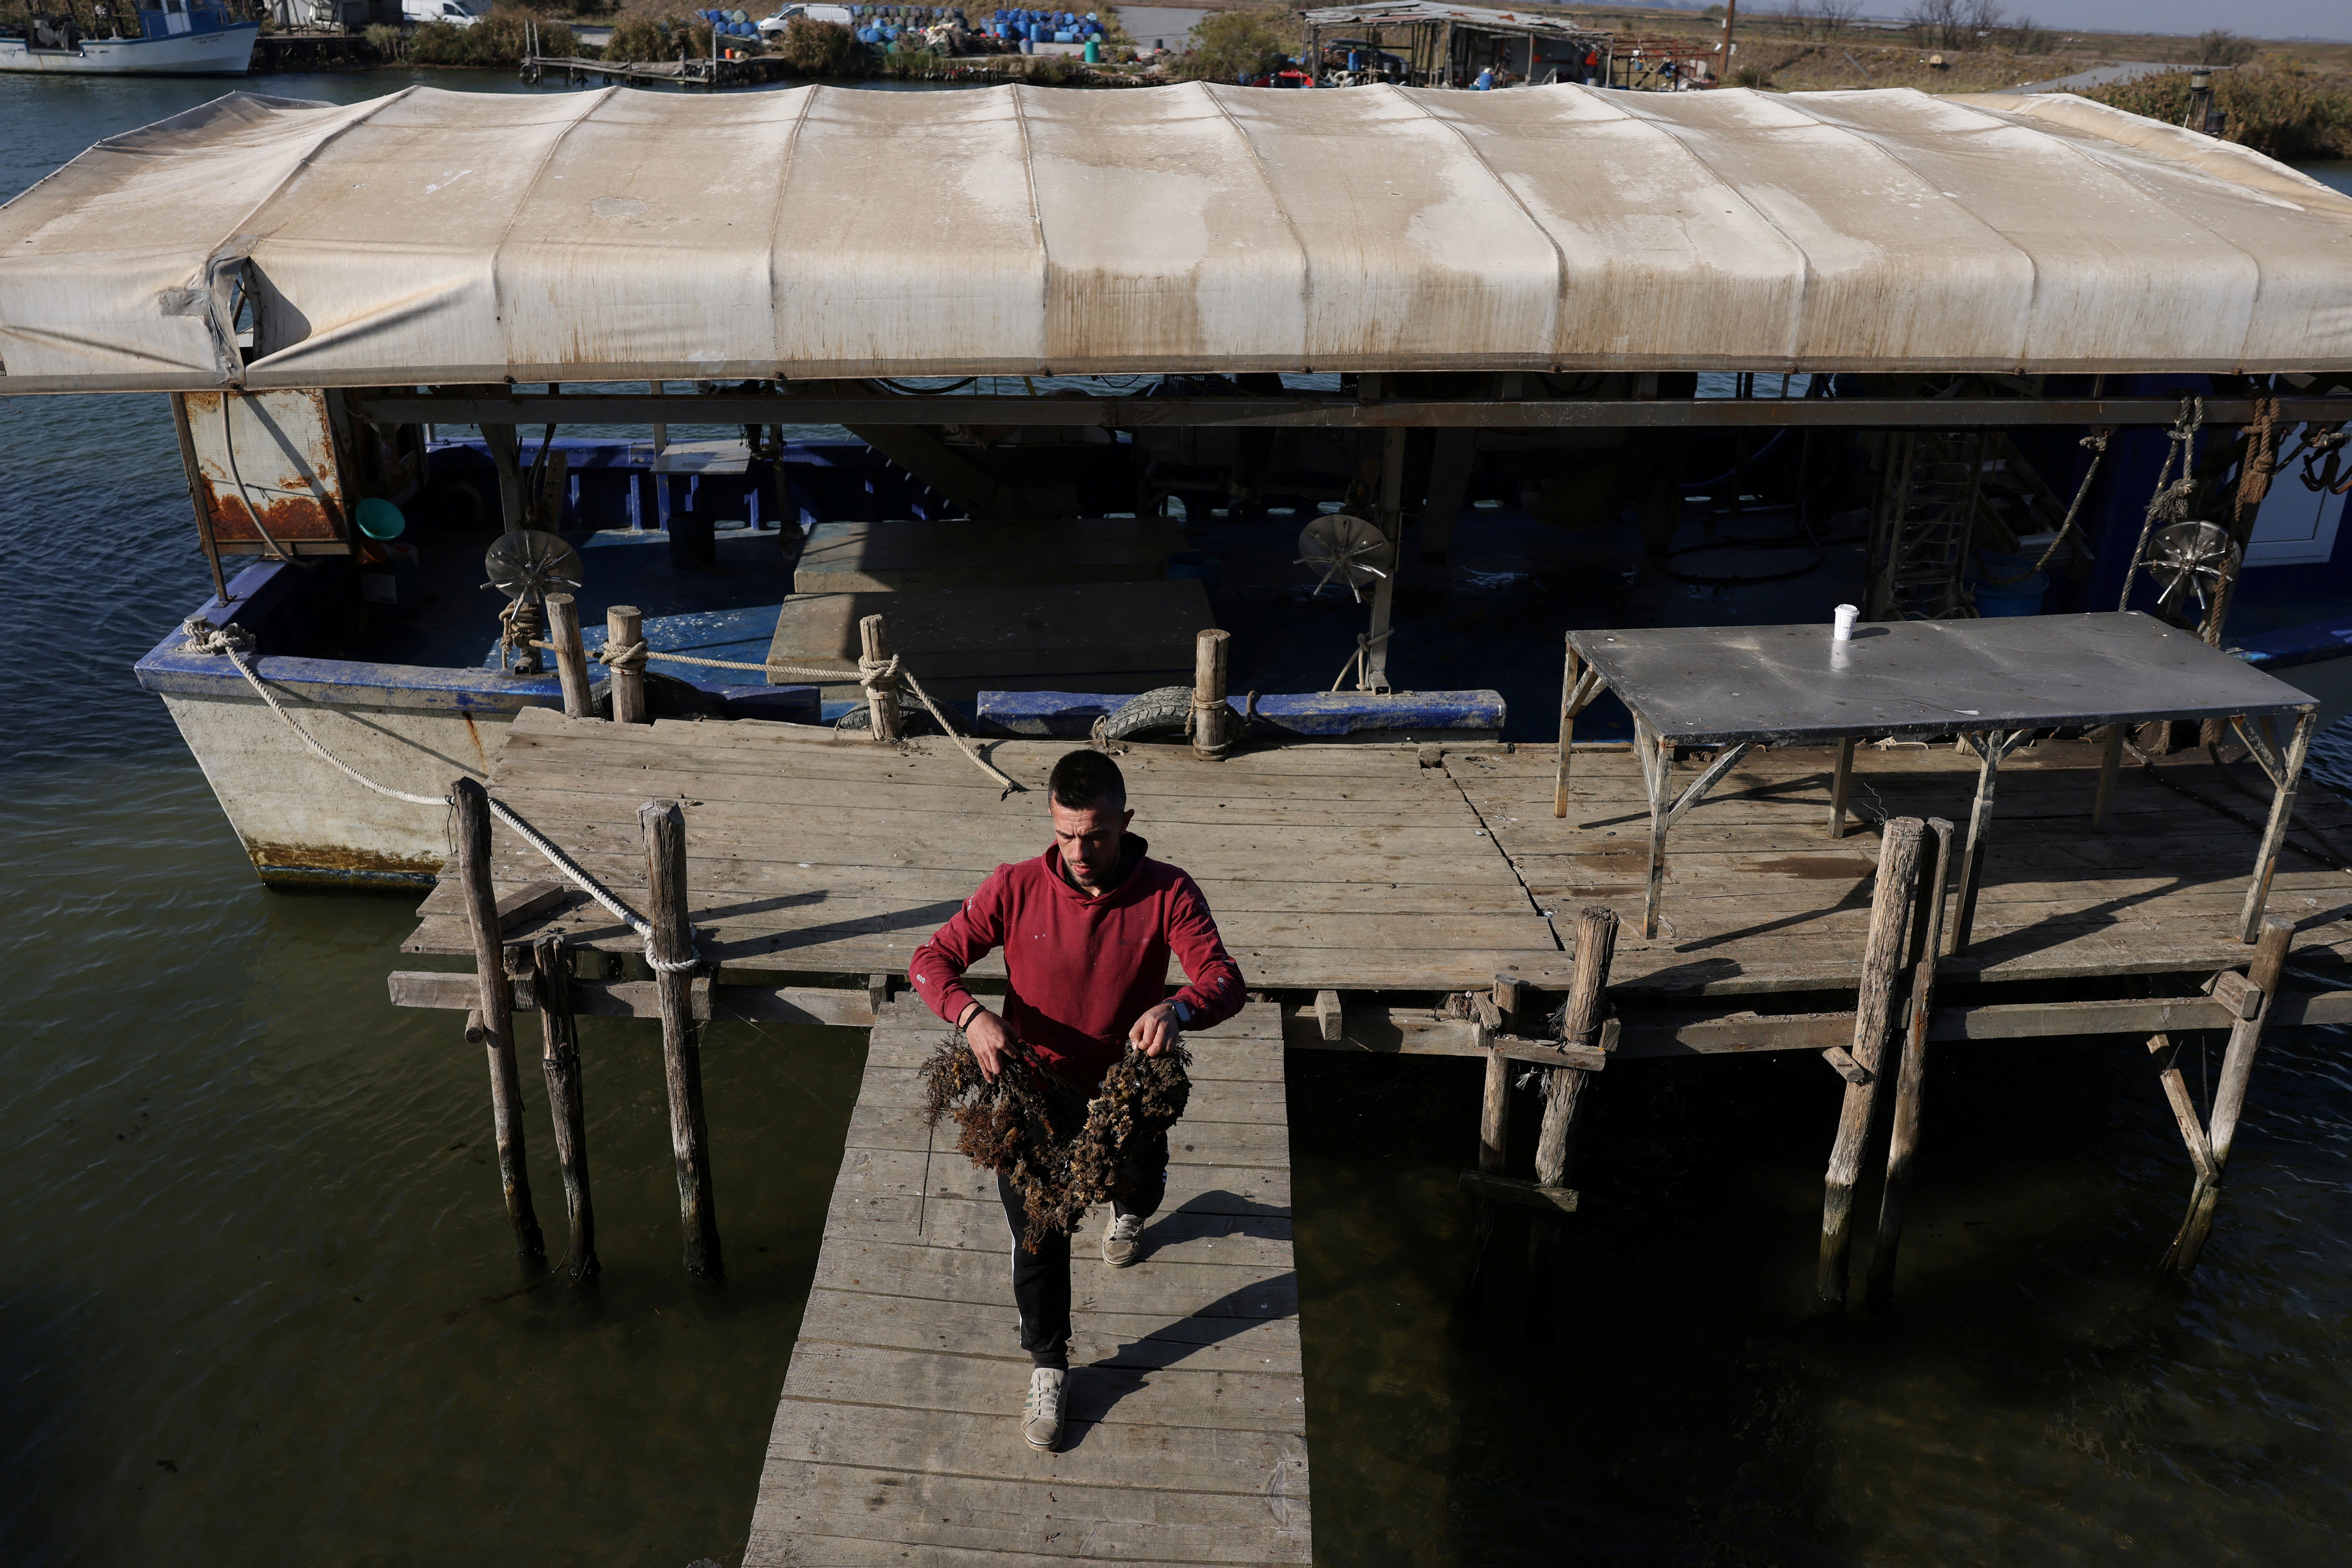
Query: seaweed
point(1061, 1153)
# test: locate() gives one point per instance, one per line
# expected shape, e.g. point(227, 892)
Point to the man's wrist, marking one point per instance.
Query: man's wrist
point(1183, 1013)
point(972, 1010)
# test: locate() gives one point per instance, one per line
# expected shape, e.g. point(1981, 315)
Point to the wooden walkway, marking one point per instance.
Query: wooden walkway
point(898, 1437)
point(1397, 868)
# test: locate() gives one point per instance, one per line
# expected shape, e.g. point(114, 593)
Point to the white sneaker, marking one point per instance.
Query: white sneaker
point(1041, 1417)
point(1123, 1242)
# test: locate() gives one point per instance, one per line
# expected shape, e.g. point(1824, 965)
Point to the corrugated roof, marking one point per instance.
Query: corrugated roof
point(617, 234)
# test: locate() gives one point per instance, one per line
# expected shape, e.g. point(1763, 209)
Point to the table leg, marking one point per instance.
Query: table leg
point(1840, 787)
point(1990, 748)
point(1569, 672)
point(2274, 831)
point(1658, 766)
point(2111, 755)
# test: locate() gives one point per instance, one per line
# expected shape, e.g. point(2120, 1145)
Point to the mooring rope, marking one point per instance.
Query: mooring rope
point(2097, 443)
point(876, 674)
point(233, 641)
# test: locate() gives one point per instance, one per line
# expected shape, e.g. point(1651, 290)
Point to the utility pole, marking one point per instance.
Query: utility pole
point(1731, 22)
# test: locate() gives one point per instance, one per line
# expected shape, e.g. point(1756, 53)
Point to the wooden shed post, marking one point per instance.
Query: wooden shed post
point(2230, 1096)
point(673, 942)
point(472, 830)
point(881, 701)
point(624, 627)
point(1873, 1020)
point(559, 1032)
point(570, 656)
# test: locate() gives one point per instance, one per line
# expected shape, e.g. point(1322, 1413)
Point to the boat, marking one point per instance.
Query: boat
point(1718, 358)
point(172, 38)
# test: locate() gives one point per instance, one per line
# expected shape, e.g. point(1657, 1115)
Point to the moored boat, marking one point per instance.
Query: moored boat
point(161, 38)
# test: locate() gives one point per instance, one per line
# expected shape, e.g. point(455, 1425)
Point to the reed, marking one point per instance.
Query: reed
point(2284, 112)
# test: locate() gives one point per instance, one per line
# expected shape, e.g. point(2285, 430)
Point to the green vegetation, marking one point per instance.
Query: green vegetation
point(2288, 114)
point(1228, 45)
point(648, 31)
point(497, 39)
point(822, 49)
point(2223, 48)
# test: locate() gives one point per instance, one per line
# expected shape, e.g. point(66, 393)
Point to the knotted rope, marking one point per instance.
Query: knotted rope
point(2170, 501)
point(1204, 721)
point(2097, 443)
point(233, 642)
point(876, 674)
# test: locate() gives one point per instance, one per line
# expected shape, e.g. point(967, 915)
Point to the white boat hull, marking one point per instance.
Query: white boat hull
point(226, 51)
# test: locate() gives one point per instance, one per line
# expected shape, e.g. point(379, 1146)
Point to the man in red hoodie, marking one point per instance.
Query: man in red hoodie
point(1086, 928)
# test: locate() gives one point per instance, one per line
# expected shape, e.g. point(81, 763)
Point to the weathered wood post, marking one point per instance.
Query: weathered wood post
point(1570, 671)
point(625, 628)
point(1212, 722)
point(560, 1032)
point(570, 654)
point(1494, 1102)
point(472, 830)
point(1873, 1020)
point(881, 701)
point(1587, 998)
point(665, 830)
point(2230, 1096)
point(1927, 939)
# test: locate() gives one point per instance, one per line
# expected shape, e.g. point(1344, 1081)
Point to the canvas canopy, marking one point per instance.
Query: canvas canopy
point(434, 237)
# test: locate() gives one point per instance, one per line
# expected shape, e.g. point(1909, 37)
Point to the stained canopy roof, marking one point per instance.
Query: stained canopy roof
point(434, 237)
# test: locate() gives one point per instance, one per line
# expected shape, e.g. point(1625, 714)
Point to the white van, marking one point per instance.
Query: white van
point(773, 26)
point(457, 12)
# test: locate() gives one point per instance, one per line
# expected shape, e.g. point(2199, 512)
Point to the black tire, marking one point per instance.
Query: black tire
point(667, 697)
point(912, 721)
point(1161, 711)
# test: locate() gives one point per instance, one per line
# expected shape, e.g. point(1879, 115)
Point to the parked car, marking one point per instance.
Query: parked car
point(773, 26)
point(457, 12)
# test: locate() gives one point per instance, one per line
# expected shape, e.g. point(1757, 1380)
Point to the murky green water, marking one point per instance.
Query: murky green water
point(256, 1305)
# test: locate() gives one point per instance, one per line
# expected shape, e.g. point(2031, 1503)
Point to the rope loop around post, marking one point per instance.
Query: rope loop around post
point(630, 656)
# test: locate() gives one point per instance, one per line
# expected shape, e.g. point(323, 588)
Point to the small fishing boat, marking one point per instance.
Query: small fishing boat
point(160, 38)
point(1718, 359)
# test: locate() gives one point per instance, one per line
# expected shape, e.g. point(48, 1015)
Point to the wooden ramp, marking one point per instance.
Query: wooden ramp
point(899, 1439)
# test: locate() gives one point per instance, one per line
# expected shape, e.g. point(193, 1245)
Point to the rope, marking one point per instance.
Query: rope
point(233, 641)
point(1203, 707)
point(2171, 500)
point(874, 674)
point(2097, 443)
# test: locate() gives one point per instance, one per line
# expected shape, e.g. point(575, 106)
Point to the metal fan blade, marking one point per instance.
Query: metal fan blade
point(532, 563)
point(2189, 558)
point(1344, 549)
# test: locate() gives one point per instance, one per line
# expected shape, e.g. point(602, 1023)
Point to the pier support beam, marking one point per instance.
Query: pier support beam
point(496, 1007)
point(2230, 1096)
point(1927, 939)
point(1586, 1007)
point(570, 656)
point(664, 831)
point(560, 1031)
point(1873, 1020)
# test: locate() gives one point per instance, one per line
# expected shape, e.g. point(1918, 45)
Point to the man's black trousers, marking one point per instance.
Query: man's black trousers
point(1041, 1280)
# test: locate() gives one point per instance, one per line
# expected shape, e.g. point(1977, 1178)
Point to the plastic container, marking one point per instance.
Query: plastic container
point(1093, 51)
point(2000, 598)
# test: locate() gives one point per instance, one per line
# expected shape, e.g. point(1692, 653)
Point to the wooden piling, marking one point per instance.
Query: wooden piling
point(472, 832)
point(570, 654)
point(1873, 1020)
point(560, 1032)
point(664, 826)
point(881, 701)
point(622, 626)
point(1902, 1142)
point(1211, 719)
point(1495, 1115)
point(1841, 787)
point(2230, 1096)
point(1588, 1006)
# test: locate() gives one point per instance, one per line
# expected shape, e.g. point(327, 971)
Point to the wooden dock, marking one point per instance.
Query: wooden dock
point(899, 1436)
point(1379, 898)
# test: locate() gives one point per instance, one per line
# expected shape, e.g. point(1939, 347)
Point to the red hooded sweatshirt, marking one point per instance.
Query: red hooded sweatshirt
point(1083, 969)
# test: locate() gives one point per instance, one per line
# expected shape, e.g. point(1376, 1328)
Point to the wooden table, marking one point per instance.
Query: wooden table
point(1991, 683)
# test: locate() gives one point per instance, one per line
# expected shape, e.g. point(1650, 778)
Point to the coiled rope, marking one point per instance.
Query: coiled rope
point(876, 674)
point(233, 642)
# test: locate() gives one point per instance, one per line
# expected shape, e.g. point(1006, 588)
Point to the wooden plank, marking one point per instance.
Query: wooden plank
point(1103, 1337)
point(966, 1385)
point(941, 1172)
point(993, 633)
point(897, 555)
point(1512, 1190)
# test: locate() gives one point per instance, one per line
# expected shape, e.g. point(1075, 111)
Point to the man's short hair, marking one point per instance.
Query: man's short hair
point(1085, 779)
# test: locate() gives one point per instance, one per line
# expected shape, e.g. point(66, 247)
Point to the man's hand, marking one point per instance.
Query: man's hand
point(1156, 1030)
point(990, 1041)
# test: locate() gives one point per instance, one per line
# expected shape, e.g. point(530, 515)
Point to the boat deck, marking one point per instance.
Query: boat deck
point(897, 1438)
point(1378, 867)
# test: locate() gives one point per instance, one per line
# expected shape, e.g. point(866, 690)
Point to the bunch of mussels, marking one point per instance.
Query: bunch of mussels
point(1061, 1157)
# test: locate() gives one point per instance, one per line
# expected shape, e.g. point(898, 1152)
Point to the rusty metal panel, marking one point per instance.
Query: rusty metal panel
point(280, 450)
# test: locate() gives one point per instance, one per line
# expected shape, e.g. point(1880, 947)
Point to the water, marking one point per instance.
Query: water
point(256, 1305)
